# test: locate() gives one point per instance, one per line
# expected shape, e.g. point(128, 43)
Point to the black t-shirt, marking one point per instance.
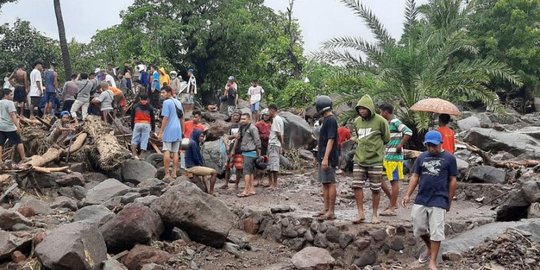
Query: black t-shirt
point(231, 97)
point(329, 131)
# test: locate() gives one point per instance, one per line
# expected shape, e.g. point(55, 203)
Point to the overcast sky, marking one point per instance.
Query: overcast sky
point(319, 20)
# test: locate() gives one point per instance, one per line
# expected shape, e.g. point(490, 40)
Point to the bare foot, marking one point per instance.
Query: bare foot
point(327, 216)
point(375, 220)
point(361, 218)
point(318, 214)
point(432, 267)
point(389, 212)
point(224, 187)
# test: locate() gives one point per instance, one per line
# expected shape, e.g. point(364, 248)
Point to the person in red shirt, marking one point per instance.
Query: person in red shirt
point(142, 123)
point(264, 126)
point(194, 123)
point(448, 135)
point(344, 134)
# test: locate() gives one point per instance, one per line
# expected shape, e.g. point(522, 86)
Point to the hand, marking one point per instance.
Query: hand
point(160, 135)
point(405, 201)
point(324, 164)
point(237, 136)
point(399, 148)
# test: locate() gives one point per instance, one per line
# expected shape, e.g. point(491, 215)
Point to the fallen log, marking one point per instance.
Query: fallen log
point(110, 154)
point(508, 164)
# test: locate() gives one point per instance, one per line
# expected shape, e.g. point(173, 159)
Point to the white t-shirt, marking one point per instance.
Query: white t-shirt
point(277, 126)
point(6, 108)
point(110, 80)
point(35, 78)
point(255, 94)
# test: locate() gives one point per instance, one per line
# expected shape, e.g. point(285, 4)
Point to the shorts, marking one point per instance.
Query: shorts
point(141, 134)
point(254, 107)
point(249, 165)
point(367, 174)
point(172, 147)
point(50, 96)
point(201, 171)
point(34, 101)
point(12, 136)
point(20, 94)
point(237, 162)
point(428, 220)
point(274, 153)
point(327, 176)
point(231, 109)
point(394, 170)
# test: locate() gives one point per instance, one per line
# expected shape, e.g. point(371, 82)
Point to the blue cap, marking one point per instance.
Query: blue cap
point(65, 113)
point(433, 137)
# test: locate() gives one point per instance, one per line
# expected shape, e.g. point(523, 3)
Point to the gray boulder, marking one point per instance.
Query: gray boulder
point(10, 242)
point(512, 142)
point(135, 224)
point(65, 202)
point(215, 155)
point(487, 174)
point(531, 189)
point(298, 132)
point(106, 190)
point(468, 123)
point(313, 258)
point(40, 207)
point(205, 218)
point(71, 179)
point(8, 218)
point(152, 186)
point(94, 214)
point(136, 171)
point(146, 200)
point(513, 207)
point(534, 210)
point(76, 245)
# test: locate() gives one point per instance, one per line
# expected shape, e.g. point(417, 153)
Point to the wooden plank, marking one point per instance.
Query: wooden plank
point(155, 147)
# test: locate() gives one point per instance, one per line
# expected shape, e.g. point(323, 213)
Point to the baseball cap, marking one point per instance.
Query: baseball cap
point(433, 137)
point(231, 78)
point(54, 63)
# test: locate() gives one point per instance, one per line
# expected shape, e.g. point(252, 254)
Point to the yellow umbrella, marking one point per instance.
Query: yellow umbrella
point(436, 105)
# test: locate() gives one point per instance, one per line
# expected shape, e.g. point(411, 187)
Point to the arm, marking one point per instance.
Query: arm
point(385, 132)
point(163, 125)
point(26, 82)
point(452, 190)
point(407, 134)
point(11, 78)
point(329, 146)
point(412, 186)
point(55, 80)
point(257, 139)
point(133, 117)
point(15, 119)
point(152, 119)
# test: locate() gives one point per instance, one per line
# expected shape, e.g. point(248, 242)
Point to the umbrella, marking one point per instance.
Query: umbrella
point(436, 105)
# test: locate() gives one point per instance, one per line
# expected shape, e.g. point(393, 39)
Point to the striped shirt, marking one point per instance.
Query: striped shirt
point(397, 131)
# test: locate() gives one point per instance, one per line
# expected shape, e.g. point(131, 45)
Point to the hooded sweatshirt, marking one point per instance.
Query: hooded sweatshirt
point(164, 78)
point(372, 134)
point(193, 154)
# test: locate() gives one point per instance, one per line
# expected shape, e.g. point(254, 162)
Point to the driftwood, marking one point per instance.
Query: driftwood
point(110, 153)
point(508, 164)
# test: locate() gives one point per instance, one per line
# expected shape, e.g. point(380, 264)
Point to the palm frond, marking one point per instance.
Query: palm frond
point(376, 27)
point(411, 14)
point(352, 43)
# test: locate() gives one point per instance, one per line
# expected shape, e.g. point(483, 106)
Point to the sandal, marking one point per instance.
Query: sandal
point(318, 214)
point(388, 213)
point(424, 257)
point(242, 195)
point(326, 217)
point(358, 221)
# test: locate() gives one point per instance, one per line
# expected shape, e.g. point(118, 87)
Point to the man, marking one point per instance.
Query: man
point(105, 99)
point(449, 144)
point(51, 84)
point(19, 80)
point(250, 147)
point(9, 124)
point(255, 96)
point(327, 156)
point(142, 122)
point(194, 123)
point(82, 99)
point(275, 142)
point(234, 155)
point(400, 134)
point(164, 78)
point(191, 88)
point(195, 161)
point(264, 126)
point(171, 130)
point(155, 87)
point(231, 94)
point(372, 134)
point(69, 93)
point(176, 85)
point(436, 172)
point(36, 86)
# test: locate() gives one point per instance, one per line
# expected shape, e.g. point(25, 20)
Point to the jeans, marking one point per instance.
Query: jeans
point(141, 134)
point(76, 106)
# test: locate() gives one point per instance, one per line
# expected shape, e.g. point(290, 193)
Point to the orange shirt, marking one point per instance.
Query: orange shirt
point(448, 137)
point(189, 126)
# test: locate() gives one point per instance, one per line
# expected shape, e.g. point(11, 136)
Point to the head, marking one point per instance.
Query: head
point(365, 107)
point(38, 65)
point(254, 83)
point(266, 115)
point(197, 116)
point(323, 105)
point(74, 77)
point(235, 118)
point(104, 86)
point(198, 135)
point(152, 68)
point(53, 65)
point(65, 116)
point(7, 94)
point(143, 99)
point(432, 141)
point(190, 72)
point(444, 119)
point(173, 74)
point(387, 110)
point(231, 79)
point(273, 110)
point(120, 76)
point(166, 92)
point(245, 119)
point(91, 76)
point(21, 66)
point(162, 71)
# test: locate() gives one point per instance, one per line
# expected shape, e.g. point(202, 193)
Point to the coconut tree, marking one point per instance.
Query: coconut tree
point(433, 58)
point(62, 36)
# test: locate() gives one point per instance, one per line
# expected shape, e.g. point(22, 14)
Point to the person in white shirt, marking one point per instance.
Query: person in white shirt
point(36, 86)
point(255, 96)
point(275, 142)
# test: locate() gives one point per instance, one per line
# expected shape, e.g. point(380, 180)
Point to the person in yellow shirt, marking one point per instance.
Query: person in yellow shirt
point(164, 78)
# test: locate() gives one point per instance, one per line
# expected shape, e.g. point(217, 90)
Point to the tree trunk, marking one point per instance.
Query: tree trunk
point(63, 41)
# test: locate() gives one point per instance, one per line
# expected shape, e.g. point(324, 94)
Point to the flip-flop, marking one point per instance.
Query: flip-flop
point(241, 195)
point(318, 214)
point(358, 221)
point(326, 217)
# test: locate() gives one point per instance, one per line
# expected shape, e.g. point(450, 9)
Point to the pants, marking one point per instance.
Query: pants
point(141, 134)
point(76, 106)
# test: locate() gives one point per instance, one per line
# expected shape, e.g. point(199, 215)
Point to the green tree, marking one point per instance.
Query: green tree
point(62, 37)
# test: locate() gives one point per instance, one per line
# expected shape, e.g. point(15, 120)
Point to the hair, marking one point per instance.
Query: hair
point(73, 76)
point(20, 66)
point(272, 107)
point(255, 81)
point(38, 62)
point(166, 88)
point(5, 92)
point(83, 76)
point(196, 112)
point(444, 119)
point(103, 84)
point(144, 96)
point(386, 107)
point(246, 115)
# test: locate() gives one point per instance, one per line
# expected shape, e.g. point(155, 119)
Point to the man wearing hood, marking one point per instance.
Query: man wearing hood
point(195, 161)
point(372, 133)
point(164, 78)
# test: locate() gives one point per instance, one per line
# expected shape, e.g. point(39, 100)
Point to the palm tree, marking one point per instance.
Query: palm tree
point(63, 42)
point(433, 58)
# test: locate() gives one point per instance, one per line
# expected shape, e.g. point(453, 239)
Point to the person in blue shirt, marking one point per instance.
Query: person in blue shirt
point(436, 173)
point(195, 161)
point(171, 130)
point(51, 84)
point(155, 87)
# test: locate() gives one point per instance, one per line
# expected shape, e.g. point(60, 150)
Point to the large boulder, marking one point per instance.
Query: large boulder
point(105, 191)
point(215, 155)
point(70, 179)
point(513, 207)
point(94, 214)
point(313, 258)
point(136, 171)
point(141, 255)
point(487, 174)
point(531, 189)
point(8, 218)
point(512, 142)
point(217, 129)
point(468, 123)
point(205, 218)
point(135, 224)
point(298, 132)
point(76, 245)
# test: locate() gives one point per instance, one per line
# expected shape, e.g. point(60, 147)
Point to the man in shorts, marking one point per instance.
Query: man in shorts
point(19, 80)
point(9, 124)
point(171, 130)
point(142, 123)
point(250, 147)
point(372, 134)
point(255, 96)
point(234, 155)
point(51, 85)
point(275, 142)
point(400, 134)
point(36, 86)
point(195, 161)
point(327, 156)
point(436, 172)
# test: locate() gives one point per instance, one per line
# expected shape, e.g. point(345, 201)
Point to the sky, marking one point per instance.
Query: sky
point(319, 20)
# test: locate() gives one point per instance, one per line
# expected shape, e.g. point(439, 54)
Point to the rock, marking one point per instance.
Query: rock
point(308, 235)
point(512, 142)
point(233, 249)
point(39, 207)
point(205, 218)
point(537, 104)
point(178, 233)
point(251, 226)
point(26, 211)
point(47, 180)
point(367, 257)
point(513, 207)
point(397, 243)
point(8, 218)
point(468, 123)
point(76, 245)
point(18, 257)
point(487, 174)
point(281, 209)
point(94, 214)
point(71, 179)
point(320, 240)
point(463, 167)
point(534, 210)
point(156, 159)
point(10, 242)
point(312, 258)
point(105, 191)
point(296, 243)
point(129, 197)
point(297, 131)
point(306, 154)
point(135, 224)
point(65, 202)
point(362, 243)
point(379, 235)
point(214, 154)
point(451, 256)
point(112, 264)
point(345, 239)
point(146, 200)
point(152, 186)
point(153, 266)
point(141, 255)
point(333, 234)
point(136, 171)
point(531, 190)
point(75, 192)
point(272, 232)
point(290, 233)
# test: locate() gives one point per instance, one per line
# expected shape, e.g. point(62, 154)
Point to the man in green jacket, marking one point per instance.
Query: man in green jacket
point(372, 134)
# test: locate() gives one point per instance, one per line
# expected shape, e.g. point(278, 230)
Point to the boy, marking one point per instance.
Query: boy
point(447, 133)
point(250, 147)
point(436, 172)
point(142, 122)
point(195, 161)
